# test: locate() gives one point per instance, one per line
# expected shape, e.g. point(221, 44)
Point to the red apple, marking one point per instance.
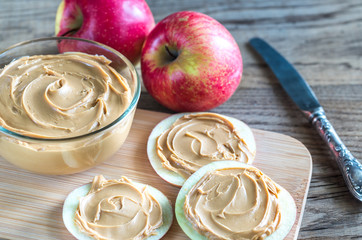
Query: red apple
point(190, 62)
point(120, 24)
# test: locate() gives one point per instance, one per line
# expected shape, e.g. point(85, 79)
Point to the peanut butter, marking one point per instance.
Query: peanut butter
point(234, 203)
point(118, 209)
point(58, 96)
point(195, 140)
point(52, 97)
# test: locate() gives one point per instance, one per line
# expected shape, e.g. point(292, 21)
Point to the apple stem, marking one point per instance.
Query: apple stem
point(171, 52)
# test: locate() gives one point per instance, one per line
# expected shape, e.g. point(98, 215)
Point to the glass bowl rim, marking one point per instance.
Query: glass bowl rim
point(114, 122)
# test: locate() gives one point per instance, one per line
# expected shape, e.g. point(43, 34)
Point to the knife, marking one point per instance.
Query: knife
point(300, 92)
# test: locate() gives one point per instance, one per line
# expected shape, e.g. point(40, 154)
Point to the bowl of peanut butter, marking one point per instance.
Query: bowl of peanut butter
point(66, 104)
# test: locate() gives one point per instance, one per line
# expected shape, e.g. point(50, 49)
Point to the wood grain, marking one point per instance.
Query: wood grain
point(321, 38)
point(31, 204)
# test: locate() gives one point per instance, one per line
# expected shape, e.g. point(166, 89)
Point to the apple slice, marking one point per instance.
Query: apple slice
point(286, 203)
point(173, 177)
point(72, 201)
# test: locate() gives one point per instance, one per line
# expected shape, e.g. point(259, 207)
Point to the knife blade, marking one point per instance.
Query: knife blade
point(303, 96)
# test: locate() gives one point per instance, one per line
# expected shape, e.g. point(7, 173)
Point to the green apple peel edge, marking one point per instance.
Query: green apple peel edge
point(58, 17)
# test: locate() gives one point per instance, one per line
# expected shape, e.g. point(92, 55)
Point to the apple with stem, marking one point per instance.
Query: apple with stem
point(190, 62)
point(120, 24)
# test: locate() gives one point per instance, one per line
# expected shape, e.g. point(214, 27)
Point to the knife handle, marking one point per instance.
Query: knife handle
point(349, 166)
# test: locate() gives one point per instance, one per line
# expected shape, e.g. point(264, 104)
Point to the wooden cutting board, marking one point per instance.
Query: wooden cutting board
point(31, 204)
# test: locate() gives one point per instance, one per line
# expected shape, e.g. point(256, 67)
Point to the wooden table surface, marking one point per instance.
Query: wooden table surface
point(323, 39)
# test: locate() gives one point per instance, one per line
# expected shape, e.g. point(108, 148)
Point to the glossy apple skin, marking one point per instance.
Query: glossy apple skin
point(208, 67)
point(120, 24)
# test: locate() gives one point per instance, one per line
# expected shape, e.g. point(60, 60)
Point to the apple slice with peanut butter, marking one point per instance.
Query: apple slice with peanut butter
point(181, 144)
point(117, 209)
point(233, 200)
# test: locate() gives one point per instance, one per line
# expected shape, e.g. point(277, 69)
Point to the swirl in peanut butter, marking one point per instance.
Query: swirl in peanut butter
point(198, 139)
point(118, 209)
point(234, 203)
point(64, 95)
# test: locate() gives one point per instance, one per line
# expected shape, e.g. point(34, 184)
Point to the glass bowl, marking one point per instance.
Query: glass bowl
point(74, 154)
